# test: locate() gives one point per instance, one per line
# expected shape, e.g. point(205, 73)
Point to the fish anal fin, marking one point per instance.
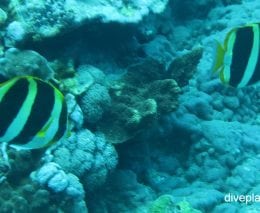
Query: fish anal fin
point(221, 76)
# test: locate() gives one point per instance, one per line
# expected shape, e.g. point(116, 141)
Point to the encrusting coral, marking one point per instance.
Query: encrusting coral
point(184, 66)
point(147, 91)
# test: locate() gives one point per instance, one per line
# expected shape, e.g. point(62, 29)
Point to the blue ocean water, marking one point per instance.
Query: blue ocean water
point(150, 128)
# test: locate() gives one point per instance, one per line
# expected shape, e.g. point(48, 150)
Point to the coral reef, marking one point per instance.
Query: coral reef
point(87, 156)
point(67, 186)
point(122, 185)
point(94, 102)
point(4, 169)
point(185, 207)
point(75, 113)
point(82, 79)
point(44, 19)
point(133, 71)
point(88, 85)
point(164, 203)
point(15, 33)
point(197, 146)
point(50, 18)
point(185, 66)
point(27, 198)
point(159, 48)
point(17, 62)
point(3, 16)
point(147, 91)
point(17, 192)
point(198, 9)
point(135, 101)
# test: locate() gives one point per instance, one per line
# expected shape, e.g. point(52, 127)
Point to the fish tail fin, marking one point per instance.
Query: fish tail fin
point(218, 57)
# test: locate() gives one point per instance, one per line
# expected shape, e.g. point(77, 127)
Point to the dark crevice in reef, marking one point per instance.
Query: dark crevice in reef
point(139, 155)
point(109, 38)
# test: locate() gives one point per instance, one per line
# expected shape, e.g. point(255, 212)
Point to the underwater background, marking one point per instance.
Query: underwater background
point(152, 130)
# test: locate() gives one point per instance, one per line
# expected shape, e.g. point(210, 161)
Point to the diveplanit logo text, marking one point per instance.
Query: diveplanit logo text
point(247, 199)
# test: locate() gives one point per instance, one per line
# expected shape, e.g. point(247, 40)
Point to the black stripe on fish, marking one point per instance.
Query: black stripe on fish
point(11, 103)
point(256, 76)
point(241, 53)
point(40, 113)
point(62, 122)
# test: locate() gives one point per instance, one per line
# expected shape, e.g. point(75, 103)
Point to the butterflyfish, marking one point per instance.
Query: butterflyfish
point(238, 60)
point(33, 113)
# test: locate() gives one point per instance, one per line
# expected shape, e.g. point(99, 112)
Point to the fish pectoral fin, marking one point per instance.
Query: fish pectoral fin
point(218, 58)
point(41, 134)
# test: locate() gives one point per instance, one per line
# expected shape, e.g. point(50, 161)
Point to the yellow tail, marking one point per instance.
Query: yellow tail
point(218, 58)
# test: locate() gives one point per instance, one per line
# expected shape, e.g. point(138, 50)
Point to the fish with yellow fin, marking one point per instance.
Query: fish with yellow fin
point(238, 60)
point(33, 113)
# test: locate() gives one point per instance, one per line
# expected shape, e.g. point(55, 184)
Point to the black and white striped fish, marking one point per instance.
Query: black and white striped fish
point(238, 60)
point(33, 113)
